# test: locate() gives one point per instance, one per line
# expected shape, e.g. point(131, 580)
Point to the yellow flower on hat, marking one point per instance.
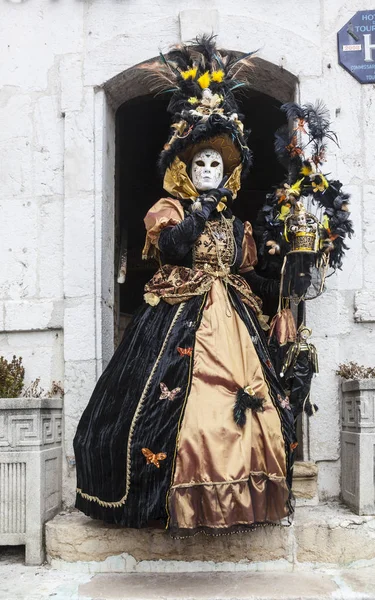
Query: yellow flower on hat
point(217, 76)
point(190, 73)
point(204, 80)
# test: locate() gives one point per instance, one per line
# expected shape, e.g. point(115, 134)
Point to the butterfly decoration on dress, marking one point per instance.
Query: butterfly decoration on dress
point(185, 351)
point(284, 402)
point(167, 394)
point(152, 458)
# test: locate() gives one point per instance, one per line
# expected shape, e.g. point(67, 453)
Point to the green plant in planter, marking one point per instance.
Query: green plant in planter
point(12, 375)
point(353, 370)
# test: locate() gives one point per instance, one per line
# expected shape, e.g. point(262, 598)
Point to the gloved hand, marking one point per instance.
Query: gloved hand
point(207, 202)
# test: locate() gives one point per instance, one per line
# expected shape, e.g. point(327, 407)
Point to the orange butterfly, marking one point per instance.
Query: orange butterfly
point(185, 351)
point(167, 394)
point(152, 458)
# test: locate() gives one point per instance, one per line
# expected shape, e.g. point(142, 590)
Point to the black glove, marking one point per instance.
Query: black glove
point(175, 242)
point(261, 286)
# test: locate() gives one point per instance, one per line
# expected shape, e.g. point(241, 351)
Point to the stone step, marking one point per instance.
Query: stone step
point(229, 586)
point(305, 483)
point(20, 582)
point(327, 534)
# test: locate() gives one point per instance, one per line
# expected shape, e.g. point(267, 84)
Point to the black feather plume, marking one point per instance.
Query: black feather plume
point(244, 401)
point(317, 117)
point(309, 408)
point(293, 110)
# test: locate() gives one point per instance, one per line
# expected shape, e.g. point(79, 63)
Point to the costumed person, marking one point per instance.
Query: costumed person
point(299, 244)
point(189, 425)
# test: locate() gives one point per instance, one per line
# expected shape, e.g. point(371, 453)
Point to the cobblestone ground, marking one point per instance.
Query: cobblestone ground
point(18, 582)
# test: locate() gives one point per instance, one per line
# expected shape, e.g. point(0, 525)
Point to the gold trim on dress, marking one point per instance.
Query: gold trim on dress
point(242, 480)
point(181, 417)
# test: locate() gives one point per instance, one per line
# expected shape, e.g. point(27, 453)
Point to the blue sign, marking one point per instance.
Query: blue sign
point(356, 46)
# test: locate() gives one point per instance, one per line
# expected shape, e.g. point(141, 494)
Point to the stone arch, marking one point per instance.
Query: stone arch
point(269, 78)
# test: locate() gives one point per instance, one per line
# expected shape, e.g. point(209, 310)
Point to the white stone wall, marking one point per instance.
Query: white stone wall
point(57, 168)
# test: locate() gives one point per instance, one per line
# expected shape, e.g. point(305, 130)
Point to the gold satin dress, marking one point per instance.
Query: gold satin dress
point(224, 475)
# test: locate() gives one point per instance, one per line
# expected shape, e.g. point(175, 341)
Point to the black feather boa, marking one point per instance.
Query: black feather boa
point(245, 401)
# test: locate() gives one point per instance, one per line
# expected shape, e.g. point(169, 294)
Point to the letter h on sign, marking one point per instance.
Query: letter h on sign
point(369, 47)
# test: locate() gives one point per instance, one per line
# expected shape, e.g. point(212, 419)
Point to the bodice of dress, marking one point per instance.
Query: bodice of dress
point(215, 255)
point(215, 250)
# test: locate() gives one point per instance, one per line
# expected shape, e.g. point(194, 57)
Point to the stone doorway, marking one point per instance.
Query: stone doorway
point(142, 126)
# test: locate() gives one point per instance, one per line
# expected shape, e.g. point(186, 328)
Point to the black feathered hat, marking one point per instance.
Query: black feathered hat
point(202, 81)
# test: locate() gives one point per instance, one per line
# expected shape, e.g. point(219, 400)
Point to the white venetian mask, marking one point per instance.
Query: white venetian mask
point(207, 169)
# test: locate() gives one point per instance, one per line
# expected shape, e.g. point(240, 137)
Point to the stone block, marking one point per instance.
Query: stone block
point(248, 31)
point(48, 155)
point(329, 480)
point(18, 247)
point(194, 22)
point(91, 540)
point(344, 162)
point(351, 276)
point(327, 533)
point(360, 581)
point(369, 128)
point(305, 480)
point(330, 304)
point(336, 14)
point(368, 237)
point(79, 381)
point(40, 37)
point(333, 535)
point(324, 426)
point(79, 240)
point(210, 586)
point(28, 315)
point(79, 142)
point(79, 318)
point(364, 306)
point(71, 75)
point(41, 351)
point(50, 247)
point(17, 113)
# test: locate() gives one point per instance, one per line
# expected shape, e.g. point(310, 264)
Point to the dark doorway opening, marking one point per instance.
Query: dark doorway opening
point(142, 126)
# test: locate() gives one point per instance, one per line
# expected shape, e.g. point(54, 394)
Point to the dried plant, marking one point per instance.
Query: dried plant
point(34, 390)
point(11, 377)
point(353, 370)
point(57, 389)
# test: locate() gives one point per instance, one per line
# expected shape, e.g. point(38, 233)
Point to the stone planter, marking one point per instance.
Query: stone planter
point(358, 445)
point(30, 471)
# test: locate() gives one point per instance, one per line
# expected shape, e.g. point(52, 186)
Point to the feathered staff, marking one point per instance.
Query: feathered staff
point(302, 149)
point(294, 241)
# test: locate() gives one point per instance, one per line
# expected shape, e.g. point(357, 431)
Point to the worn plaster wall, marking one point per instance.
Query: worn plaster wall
point(57, 167)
